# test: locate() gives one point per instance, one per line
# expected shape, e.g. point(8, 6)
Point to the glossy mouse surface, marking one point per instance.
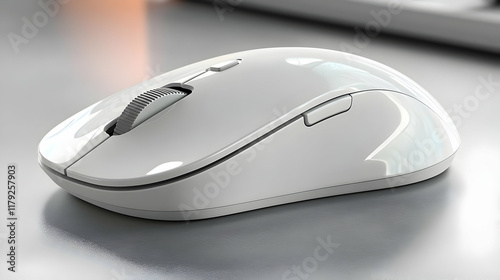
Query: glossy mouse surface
point(250, 130)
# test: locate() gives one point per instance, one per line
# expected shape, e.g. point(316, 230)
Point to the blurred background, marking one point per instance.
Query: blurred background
point(58, 57)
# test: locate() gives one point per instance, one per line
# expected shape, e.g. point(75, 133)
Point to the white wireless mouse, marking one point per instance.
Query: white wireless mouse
point(249, 130)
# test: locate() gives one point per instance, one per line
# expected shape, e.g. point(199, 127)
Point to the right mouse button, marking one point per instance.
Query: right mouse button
point(328, 109)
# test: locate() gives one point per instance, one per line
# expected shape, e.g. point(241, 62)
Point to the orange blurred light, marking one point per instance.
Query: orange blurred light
point(110, 40)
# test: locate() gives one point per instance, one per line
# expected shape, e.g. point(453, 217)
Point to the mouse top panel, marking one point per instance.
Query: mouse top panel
point(235, 99)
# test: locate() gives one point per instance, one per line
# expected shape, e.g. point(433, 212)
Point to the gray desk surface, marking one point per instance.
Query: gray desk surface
point(444, 228)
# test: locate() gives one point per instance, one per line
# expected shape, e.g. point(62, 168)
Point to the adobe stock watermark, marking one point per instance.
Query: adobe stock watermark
point(482, 92)
point(459, 112)
point(311, 264)
point(221, 179)
point(223, 6)
point(31, 26)
point(380, 19)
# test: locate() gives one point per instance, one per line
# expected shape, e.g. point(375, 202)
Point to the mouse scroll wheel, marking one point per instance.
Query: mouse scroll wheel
point(145, 106)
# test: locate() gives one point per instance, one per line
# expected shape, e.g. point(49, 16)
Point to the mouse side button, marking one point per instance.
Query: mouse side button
point(328, 109)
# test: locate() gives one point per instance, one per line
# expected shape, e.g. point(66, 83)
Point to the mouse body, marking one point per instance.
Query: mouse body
point(250, 130)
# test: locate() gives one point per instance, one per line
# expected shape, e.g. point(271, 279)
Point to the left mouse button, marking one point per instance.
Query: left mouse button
point(71, 140)
point(328, 109)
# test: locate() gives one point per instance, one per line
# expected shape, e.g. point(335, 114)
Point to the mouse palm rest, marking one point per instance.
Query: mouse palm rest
point(251, 130)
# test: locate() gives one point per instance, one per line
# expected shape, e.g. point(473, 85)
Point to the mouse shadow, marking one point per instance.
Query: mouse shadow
point(381, 222)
